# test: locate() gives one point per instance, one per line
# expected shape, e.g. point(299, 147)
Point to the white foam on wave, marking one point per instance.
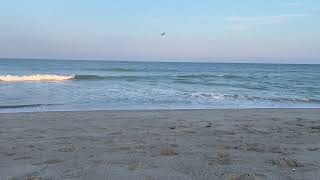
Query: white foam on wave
point(37, 77)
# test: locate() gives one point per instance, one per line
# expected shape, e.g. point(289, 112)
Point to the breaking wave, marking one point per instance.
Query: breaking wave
point(53, 77)
point(37, 77)
point(50, 77)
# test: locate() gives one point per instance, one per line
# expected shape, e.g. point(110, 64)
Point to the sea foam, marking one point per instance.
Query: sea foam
point(37, 77)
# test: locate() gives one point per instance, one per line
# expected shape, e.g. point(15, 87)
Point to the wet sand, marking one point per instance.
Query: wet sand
point(166, 144)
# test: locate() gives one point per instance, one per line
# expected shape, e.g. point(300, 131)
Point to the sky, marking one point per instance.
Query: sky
point(268, 31)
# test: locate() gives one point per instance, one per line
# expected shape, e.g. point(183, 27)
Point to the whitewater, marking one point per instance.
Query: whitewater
point(37, 77)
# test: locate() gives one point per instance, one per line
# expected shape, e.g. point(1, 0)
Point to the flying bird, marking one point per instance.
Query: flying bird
point(162, 34)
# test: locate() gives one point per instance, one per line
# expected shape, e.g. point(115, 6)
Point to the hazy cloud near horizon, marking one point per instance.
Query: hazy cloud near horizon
point(210, 30)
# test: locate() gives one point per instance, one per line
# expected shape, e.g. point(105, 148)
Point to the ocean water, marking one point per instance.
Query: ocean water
point(56, 85)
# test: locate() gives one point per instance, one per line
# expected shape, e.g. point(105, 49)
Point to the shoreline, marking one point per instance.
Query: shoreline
point(159, 109)
point(161, 144)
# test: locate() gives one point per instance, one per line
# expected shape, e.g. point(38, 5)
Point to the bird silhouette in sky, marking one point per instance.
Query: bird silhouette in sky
point(162, 34)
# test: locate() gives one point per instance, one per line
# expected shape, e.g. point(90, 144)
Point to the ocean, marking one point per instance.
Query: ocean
point(61, 85)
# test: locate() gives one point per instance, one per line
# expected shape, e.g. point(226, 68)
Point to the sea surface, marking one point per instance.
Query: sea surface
point(58, 85)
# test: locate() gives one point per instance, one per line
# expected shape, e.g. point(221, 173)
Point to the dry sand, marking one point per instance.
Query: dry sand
point(168, 144)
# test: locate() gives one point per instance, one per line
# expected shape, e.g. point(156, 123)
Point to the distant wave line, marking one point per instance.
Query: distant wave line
point(131, 70)
point(113, 69)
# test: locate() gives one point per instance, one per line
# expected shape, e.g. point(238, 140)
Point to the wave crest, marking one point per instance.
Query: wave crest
point(37, 77)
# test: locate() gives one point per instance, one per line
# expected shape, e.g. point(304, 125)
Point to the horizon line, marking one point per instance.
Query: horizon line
point(158, 61)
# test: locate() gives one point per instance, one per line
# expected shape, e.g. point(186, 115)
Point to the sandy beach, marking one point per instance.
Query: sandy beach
point(164, 144)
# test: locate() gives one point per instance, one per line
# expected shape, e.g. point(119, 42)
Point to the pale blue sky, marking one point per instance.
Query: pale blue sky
point(206, 30)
